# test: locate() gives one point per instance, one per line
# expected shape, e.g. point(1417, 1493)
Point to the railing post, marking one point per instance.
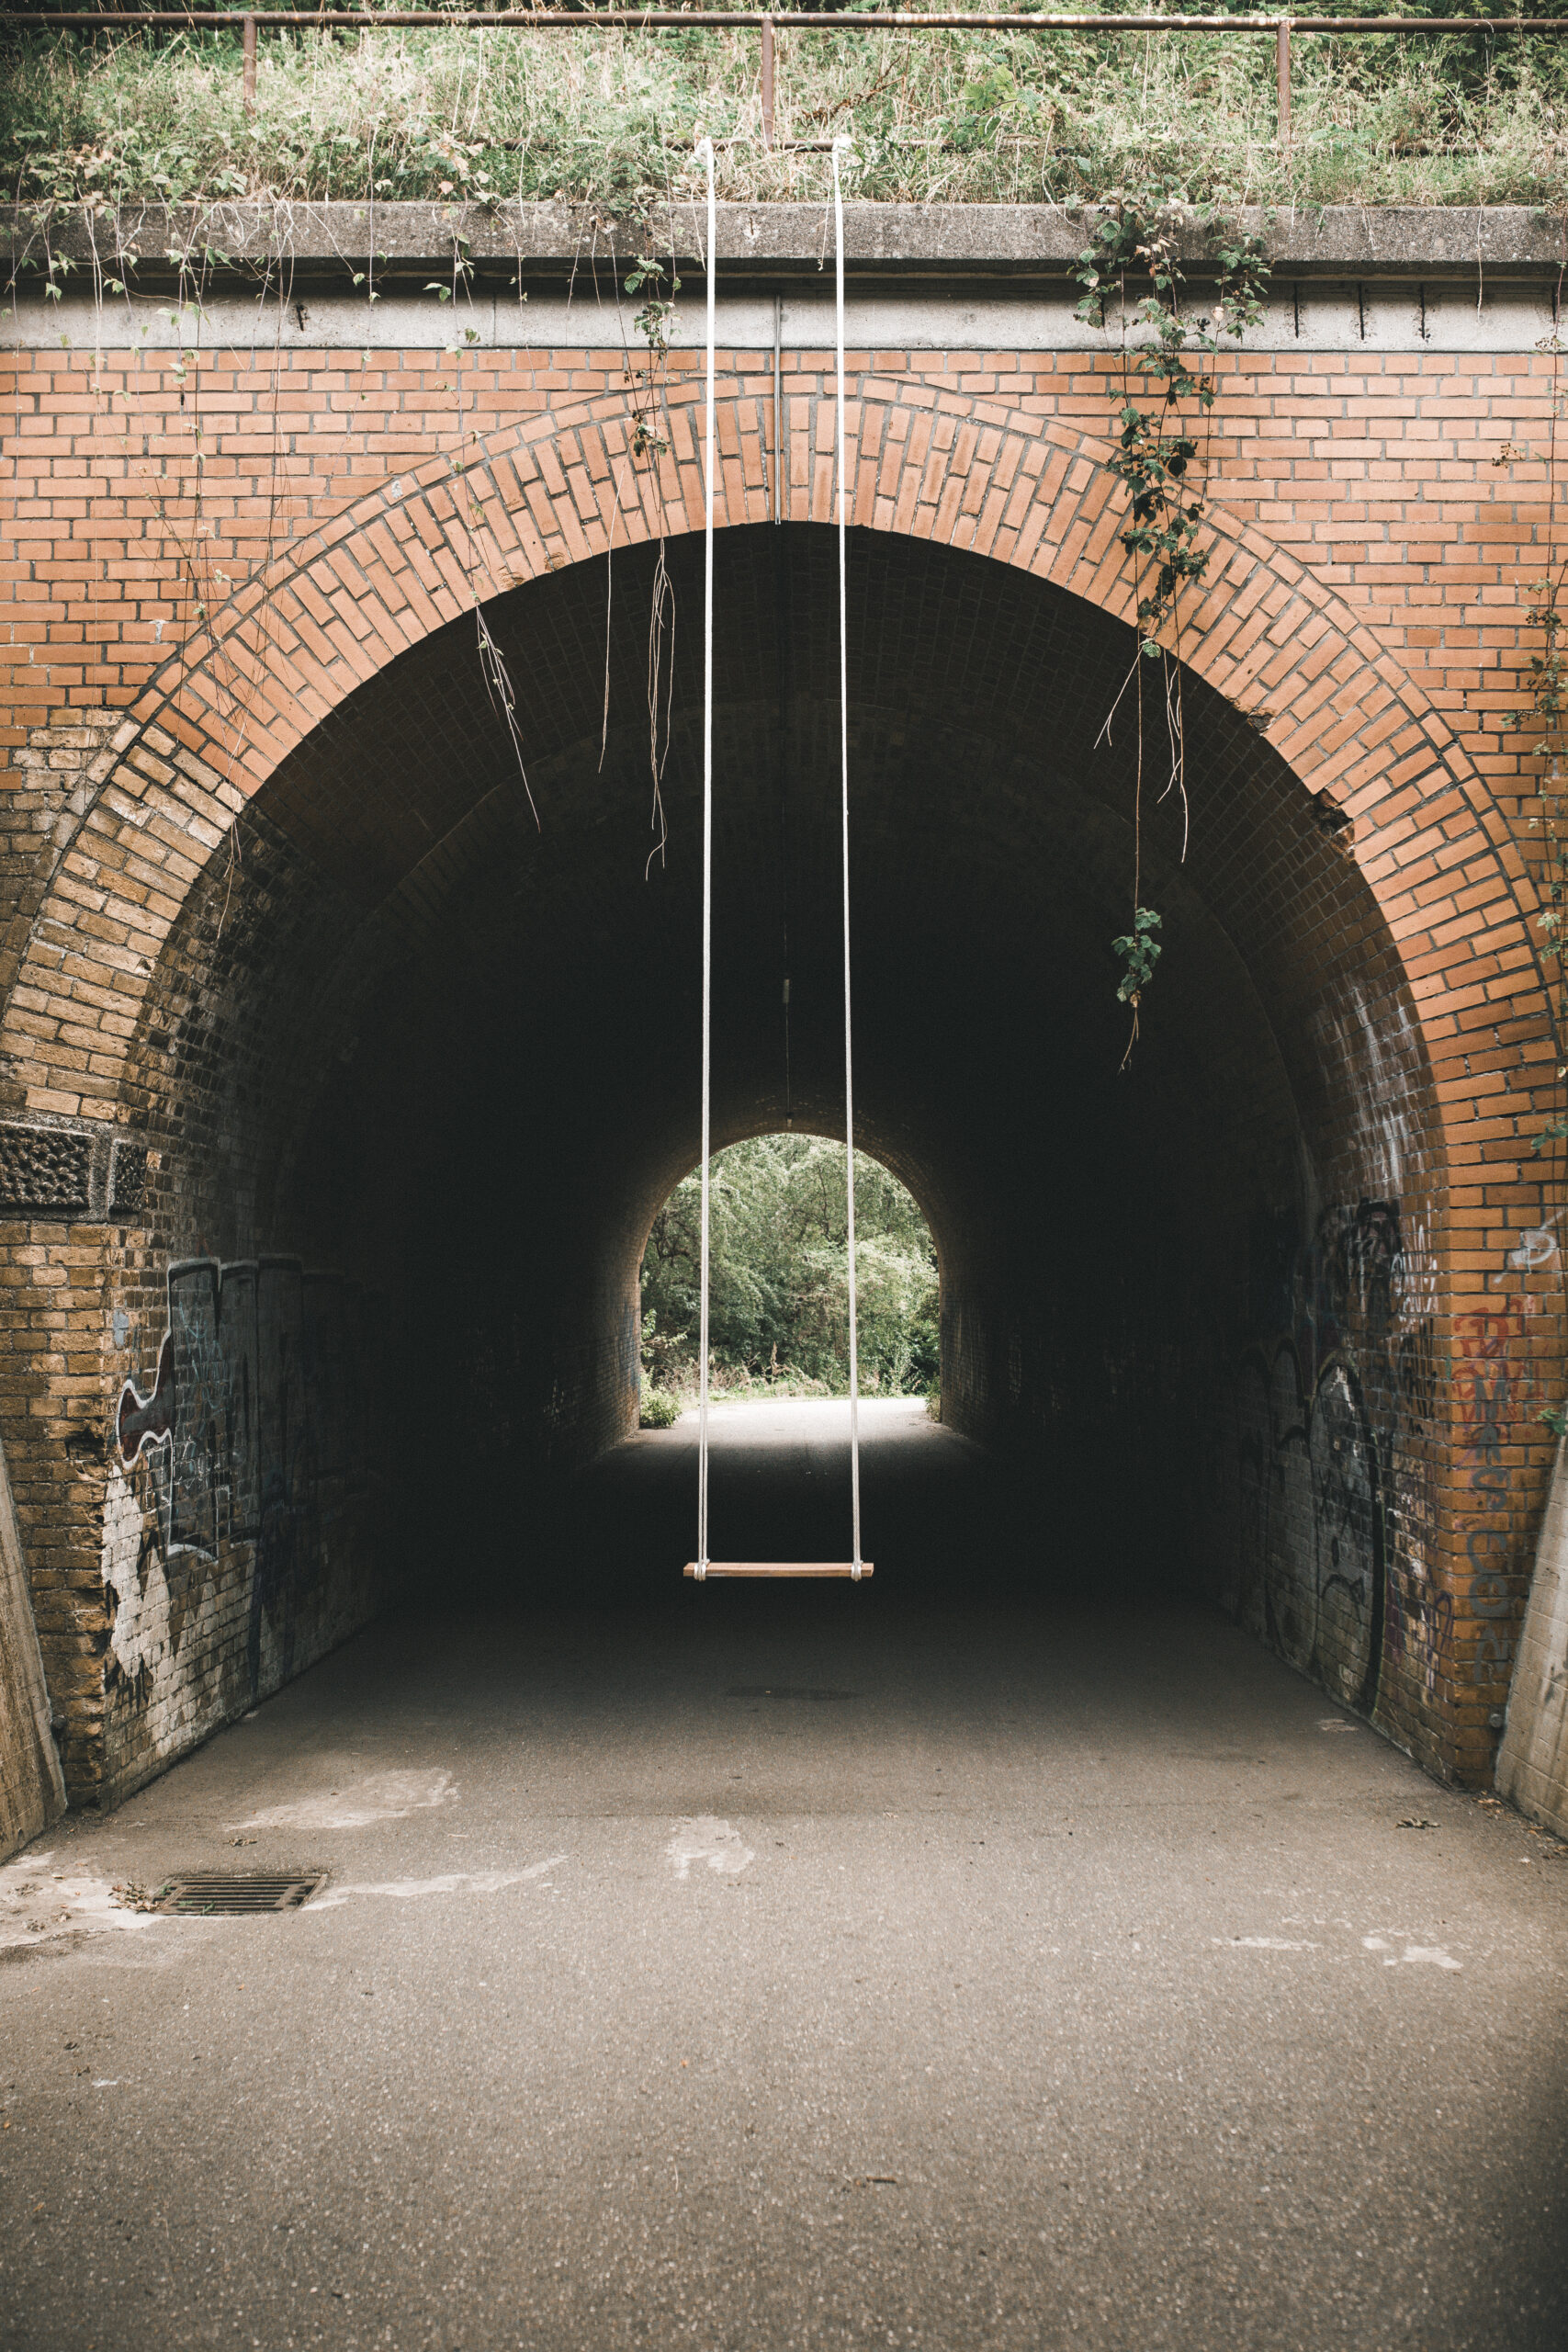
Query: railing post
point(767, 81)
point(1283, 60)
point(248, 34)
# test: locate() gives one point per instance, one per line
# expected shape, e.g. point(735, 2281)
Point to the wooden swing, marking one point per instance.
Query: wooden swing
point(779, 1568)
point(702, 1568)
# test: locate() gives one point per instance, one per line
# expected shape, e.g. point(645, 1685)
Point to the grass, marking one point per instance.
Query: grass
point(609, 121)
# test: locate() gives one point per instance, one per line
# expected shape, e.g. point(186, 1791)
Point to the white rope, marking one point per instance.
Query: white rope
point(841, 468)
point(705, 152)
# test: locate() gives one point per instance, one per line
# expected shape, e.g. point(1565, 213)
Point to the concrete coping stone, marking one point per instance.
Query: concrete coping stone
point(764, 244)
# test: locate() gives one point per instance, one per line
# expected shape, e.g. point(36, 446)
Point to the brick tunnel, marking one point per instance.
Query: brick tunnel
point(339, 1093)
point(349, 1045)
point(402, 1033)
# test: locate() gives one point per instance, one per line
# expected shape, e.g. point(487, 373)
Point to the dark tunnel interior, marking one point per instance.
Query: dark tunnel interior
point(451, 1056)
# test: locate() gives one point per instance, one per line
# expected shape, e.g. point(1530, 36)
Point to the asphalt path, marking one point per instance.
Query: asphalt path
point(1002, 1953)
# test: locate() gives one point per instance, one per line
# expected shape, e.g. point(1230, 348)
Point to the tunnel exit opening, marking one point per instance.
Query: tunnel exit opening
point(778, 1304)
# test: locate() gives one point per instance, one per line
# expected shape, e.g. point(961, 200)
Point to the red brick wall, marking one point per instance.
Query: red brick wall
point(178, 629)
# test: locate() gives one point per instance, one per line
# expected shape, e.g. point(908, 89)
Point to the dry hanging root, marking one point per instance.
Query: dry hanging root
point(660, 677)
point(498, 686)
point(1138, 948)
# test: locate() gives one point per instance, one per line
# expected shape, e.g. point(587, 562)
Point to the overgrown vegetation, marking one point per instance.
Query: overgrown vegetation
point(609, 119)
point(1162, 455)
point(779, 1280)
point(1543, 721)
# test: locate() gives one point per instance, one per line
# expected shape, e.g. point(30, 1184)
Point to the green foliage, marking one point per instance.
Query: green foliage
point(1140, 952)
point(1547, 672)
point(1545, 718)
point(1157, 455)
point(779, 1277)
point(609, 119)
point(1161, 456)
point(653, 322)
point(660, 1407)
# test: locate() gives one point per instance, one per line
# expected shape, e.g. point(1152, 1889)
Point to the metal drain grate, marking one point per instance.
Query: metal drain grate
point(211, 1892)
point(781, 1691)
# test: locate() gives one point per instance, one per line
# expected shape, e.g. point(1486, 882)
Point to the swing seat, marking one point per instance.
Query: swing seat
point(781, 1569)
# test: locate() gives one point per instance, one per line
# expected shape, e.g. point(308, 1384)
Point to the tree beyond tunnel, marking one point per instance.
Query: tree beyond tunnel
point(780, 1297)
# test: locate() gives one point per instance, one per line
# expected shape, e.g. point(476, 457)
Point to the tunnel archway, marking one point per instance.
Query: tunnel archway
point(399, 1034)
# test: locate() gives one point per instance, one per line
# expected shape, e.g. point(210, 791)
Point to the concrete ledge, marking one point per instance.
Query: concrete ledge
point(1359, 318)
point(767, 244)
point(951, 278)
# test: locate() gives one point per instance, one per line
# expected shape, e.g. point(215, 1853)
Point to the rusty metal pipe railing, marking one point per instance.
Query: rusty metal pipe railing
point(767, 81)
point(765, 22)
point(525, 20)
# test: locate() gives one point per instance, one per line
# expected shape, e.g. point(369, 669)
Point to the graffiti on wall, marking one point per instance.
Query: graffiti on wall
point(235, 1473)
point(1312, 1564)
point(1492, 1377)
point(1329, 1441)
point(1338, 1425)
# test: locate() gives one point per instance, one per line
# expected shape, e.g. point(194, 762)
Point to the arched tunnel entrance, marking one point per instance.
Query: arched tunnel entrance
point(1018, 1889)
point(403, 1034)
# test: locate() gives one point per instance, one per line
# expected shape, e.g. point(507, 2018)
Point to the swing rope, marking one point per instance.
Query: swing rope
point(858, 1567)
point(705, 152)
point(840, 470)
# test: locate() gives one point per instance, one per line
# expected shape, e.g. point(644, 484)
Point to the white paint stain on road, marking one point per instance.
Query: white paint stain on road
point(1433, 1955)
point(449, 1883)
point(39, 1903)
point(707, 1839)
point(384, 1796)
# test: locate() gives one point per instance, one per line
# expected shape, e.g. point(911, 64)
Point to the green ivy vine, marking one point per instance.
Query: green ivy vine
point(1544, 716)
point(1163, 458)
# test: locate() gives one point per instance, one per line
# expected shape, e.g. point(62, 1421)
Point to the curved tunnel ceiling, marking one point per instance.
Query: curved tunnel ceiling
point(406, 1033)
point(395, 887)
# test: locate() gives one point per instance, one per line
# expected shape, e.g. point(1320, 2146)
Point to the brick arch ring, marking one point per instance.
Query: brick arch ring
point(210, 727)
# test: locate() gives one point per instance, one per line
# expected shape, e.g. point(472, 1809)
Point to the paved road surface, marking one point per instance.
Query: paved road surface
point(951, 1962)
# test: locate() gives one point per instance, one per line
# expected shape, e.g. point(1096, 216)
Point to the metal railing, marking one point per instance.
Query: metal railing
point(766, 23)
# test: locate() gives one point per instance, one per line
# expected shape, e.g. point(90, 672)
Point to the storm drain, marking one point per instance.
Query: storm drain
point(781, 1691)
point(211, 1892)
